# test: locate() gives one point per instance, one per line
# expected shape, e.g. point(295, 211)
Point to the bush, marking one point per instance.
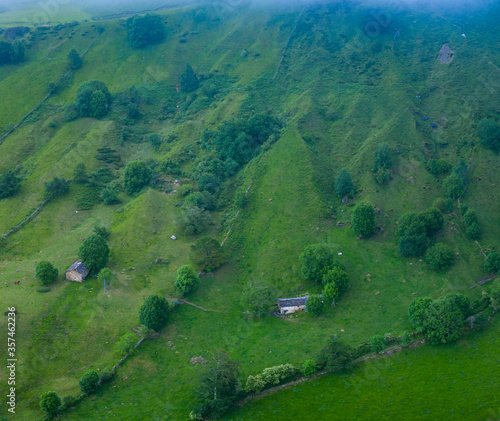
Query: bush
point(186, 279)
point(309, 368)
point(50, 402)
point(492, 263)
point(145, 30)
point(383, 158)
point(453, 186)
point(432, 220)
point(193, 220)
point(68, 401)
point(154, 312)
point(43, 289)
point(405, 339)
point(343, 183)
point(470, 217)
point(136, 175)
point(315, 305)
point(57, 187)
point(155, 140)
point(412, 245)
point(257, 299)
point(269, 376)
point(473, 231)
point(489, 132)
point(102, 231)
point(109, 195)
point(315, 261)
point(383, 176)
point(443, 321)
point(206, 254)
point(438, 167)
point(94, 252)
point(106, 376)
point(74, 60)
point(45, 272)
point(378, 343)
point(80, 173)
point(98, 106)
point(440, 257)
point(416, 311)
point(202, 200)
point(363, 220)
point(89, 382)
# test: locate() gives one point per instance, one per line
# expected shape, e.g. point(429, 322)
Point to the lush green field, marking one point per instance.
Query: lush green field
point(339, 95)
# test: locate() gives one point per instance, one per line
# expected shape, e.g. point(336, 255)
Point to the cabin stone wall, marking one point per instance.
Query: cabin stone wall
point(73, 275)
point(293, 309)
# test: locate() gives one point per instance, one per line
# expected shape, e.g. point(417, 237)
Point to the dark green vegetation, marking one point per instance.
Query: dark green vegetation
point(45, 272)
point(154, 312)
point(256, 154)
point(94, 253)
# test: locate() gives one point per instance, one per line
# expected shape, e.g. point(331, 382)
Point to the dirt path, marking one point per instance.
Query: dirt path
point(197, 306)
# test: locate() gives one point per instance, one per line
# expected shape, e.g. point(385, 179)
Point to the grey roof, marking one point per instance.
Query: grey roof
point(78, 267)
point(292, 302)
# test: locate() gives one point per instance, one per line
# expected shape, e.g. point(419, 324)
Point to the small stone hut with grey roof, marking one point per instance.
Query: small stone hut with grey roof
point(291, 305)
point(77, 272)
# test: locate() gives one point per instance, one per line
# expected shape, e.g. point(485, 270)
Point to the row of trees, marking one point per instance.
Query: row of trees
point(11, 53)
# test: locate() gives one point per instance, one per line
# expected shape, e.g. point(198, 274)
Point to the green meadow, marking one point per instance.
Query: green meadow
point(339, 94)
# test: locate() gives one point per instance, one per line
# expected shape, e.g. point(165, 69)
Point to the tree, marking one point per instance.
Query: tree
point(410, 224)
point(102, 231)
point(432, 220)
point(363, 220)
point(89, 381)
point(470, 217)
point(473, 231)
point(453, 186)
point(492, 263)
point(462, 170)
point(145, 30)
point(136, 175)
point(10, 183)
point(405, 339)
point(416, 311)
point(383, 158)
point(45, 272)
point(189, 81)
point(206, 254)
point(257, 298)
point(315, 305)
point(309, 368)
point(126, 345)
point(98, 106)
point(343, 183)
point(440, 256)
point(412, 245)
point(443, 321)
point(89, 105)
point(186, 279)
point(74, 60)
point(109, 195)
point(335, 356)
point(335, 281)
point(315, 261)
point(11, 53)
point(489, 132)
point(94, 252)
point(105, 275)
point(50, 402)
point(378, 343)
point(218, 386)
point(203, 200)
point(154, 312)
point(461, 301)
point(57, 187)
point(80, 173)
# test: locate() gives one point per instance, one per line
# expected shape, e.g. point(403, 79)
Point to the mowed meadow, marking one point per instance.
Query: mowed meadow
point(339, 95)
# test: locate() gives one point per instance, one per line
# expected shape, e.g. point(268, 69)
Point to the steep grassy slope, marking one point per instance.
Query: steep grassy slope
point(339, 96)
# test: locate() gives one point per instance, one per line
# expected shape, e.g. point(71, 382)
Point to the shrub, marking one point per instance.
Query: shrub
point(335, 356)
point(106, 376)
point(154, 312)
point(416, 311)
point(432, 220)
point(45, 272)
point(269, 376)
point(98, 106)
point(492, 263)
point(50, 402)
point(309, 368)
point(92, 99)
point(378, 343)
point(440, 204)
point(405, 339)
point(136, 175)
point(489, 132)
point(443, 321)
point(74, 60)
point(102, 231)
point(155, 140)
point(186, 279)
point(126, 345)
point(438, 167)
point(315, 305)
point(109, 195)
point(343, 183)
point(80, 173)
point(257, 299)
point(202, 200)
point(193, 220)
point(315, 261)
point(206, 254)
point(94, 252)
point(383, 158)
point(89, 382)
point(440, 257)
point(43, 289)
point(473, 231)
point(412, 245)
point(453, 186)
point(363, 220)
point(68, 401)
point(383, 176)
point(10, 183)
point(470, 217)
point(145, 30)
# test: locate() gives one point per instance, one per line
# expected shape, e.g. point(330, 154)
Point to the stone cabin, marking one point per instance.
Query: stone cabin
point(291, 305)
point(77, 272)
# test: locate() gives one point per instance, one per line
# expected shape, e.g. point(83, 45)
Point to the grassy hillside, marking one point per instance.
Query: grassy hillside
point(339, 94)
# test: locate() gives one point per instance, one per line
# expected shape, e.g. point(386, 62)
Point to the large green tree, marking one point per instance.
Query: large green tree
point(94, 252)
point(443, 321)
point(489, 132)
point(45, 272)
point(257, 299)
point(137, 174)
point(74, 60)
point(186, 279)
point(206, 254)
point(88, 102)
point(89, 381)
point(10, 182)
point(58, 186)
point(154, 312)
point(145, 30)
point(453, 186)
point(363, 219)
point(315, 261)
point(50, 402)
point(343, 183)
point(315, 304)
point(335, 356)
point(416, 311)
point(189, 80)
point(440, 256)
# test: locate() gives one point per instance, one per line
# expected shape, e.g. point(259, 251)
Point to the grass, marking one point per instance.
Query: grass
point(338, 103)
